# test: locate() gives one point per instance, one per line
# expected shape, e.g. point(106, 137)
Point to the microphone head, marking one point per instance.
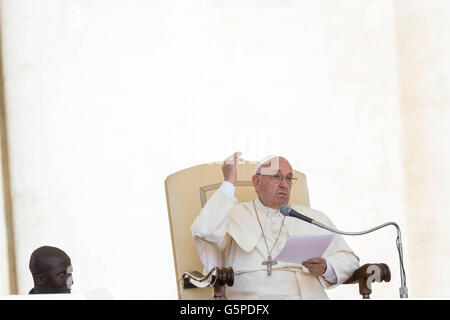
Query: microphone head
point(285, 210)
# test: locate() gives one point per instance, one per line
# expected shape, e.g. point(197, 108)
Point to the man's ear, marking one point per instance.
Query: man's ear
point(255, 181)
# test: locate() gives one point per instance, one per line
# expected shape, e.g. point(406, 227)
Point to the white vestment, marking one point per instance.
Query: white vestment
point(232, 228)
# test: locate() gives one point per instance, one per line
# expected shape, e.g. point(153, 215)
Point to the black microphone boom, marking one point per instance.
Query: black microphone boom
point(287, 211)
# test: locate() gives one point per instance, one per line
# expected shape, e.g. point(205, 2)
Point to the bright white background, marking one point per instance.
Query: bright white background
point(105, 99)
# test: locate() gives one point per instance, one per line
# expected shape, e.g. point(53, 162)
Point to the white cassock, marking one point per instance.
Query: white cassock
point(233, 229)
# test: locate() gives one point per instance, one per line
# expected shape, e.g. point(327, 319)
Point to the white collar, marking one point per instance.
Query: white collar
point(262, 208)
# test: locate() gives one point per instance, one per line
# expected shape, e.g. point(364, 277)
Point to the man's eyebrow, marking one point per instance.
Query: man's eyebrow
point(279, 172)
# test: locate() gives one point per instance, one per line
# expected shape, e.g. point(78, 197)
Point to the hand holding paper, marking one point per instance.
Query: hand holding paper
point(316, 266)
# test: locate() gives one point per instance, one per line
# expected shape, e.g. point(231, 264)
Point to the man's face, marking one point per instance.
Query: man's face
point(271, 192)
point(58, 279)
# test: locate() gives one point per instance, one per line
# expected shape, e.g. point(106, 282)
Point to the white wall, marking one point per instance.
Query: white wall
point(107, 98)
point(423, 30)
point(4, 278)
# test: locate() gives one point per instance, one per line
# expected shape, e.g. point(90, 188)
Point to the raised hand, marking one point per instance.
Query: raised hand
point(229, 167)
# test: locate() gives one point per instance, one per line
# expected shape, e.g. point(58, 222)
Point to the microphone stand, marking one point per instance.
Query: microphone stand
point(403, 289)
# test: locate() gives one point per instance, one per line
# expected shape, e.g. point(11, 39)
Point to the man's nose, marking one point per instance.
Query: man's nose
point(284, 184)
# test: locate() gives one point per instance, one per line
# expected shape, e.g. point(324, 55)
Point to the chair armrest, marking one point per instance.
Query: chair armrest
point(367, 274)
point(218, 277)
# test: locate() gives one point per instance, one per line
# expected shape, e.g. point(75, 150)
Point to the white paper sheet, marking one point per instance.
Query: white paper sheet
point(298, 249)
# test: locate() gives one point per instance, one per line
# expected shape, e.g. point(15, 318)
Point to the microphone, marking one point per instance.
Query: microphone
point(289, 212)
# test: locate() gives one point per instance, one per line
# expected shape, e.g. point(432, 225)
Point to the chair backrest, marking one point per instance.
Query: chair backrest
point(186, 193)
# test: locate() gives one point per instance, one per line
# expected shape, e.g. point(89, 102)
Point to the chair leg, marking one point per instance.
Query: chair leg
point(364, 290)
point(219, 292)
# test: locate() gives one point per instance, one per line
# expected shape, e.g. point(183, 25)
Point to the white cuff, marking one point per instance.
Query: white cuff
point(228, 188)
point(329, 274)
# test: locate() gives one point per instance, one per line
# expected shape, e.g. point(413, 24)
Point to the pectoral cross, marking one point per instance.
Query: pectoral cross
point(269, 263)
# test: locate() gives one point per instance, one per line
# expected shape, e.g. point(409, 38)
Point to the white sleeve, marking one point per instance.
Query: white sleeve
point(343, 265)
point(211, 224)
point(329, 274)
point(228, 188)
point(209, 255)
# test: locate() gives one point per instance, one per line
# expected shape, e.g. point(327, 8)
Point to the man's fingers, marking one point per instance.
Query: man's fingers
point(315, 261)
point(314, 268)
point(234, 158)
point(229, 168)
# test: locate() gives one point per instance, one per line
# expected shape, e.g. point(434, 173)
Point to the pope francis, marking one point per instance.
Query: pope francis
point(250, 234)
